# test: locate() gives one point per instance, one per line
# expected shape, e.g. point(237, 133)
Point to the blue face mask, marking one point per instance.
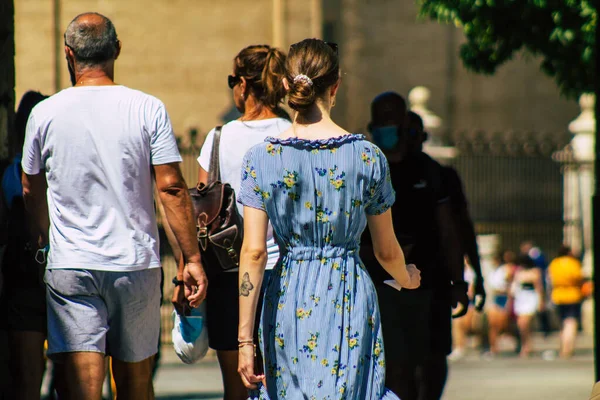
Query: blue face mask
point(385, 137)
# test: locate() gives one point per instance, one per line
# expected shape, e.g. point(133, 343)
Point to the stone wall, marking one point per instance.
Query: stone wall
point(176, 50)
point(181, 52)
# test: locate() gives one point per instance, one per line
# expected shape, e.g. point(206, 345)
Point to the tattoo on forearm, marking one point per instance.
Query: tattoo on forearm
point(246, 285)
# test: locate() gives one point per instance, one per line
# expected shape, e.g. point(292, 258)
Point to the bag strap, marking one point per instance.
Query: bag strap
point(214, 173)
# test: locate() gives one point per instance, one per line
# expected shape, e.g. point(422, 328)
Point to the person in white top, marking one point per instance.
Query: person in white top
point(499, 311)
point(91, 155)
point(257, 88)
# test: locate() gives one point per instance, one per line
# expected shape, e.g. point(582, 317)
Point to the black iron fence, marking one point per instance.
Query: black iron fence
point(514, 186)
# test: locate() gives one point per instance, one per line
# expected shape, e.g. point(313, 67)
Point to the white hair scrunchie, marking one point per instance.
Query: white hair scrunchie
point(303, 78)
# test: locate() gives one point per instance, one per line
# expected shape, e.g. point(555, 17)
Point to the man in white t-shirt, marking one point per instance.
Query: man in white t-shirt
point(90, 157)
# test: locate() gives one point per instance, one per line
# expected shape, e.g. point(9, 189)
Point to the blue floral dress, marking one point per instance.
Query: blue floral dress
point(320, 330)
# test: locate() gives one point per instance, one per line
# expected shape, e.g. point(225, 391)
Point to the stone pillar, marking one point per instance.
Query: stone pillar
point(572, 228)
point(302, 20)
point(7, 75)
point(418, 98)
point(579, 186)
point(316, 19)
point(356, 44)
point(584, 128)
point(278, 23)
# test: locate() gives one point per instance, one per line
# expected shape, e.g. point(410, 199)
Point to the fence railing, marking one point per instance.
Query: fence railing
point(514, 186)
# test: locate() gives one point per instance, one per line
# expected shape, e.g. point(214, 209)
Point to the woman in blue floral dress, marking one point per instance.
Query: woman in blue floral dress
point(318, 185)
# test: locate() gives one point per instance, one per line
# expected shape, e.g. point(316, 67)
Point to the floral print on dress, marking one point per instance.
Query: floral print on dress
point(319, 282)
point(274, 150)
point(337, 180)
point(288, 182)
point(367, 156)
point(301, 313)
point(323, 214)
point(311, 344)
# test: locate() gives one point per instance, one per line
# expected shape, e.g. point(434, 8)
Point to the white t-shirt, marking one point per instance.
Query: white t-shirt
point(237, 137)
point(97, 145)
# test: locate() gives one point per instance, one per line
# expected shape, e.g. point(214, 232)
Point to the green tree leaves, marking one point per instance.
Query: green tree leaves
point(560, 32)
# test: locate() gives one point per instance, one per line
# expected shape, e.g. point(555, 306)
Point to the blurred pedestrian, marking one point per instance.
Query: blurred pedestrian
point(92, 154)
point(23, 300)
point(529, 249)
point(566, 280)
point(416, 323)
point(500, 310)
point(528, 295)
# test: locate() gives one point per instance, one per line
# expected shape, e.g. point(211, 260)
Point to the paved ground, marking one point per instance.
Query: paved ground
point(472, 378)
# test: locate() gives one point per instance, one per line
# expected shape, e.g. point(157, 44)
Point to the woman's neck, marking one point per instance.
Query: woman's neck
point(315, 123)
point(254, 111)
point(258, 114)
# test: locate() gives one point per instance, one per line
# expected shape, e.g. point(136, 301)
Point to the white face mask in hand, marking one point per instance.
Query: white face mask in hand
point(190, 335)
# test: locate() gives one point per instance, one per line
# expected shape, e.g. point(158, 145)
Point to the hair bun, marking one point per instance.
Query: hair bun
point(312, 68)
point(301, 95)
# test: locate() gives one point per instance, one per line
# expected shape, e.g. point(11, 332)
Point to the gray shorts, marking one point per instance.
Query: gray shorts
point(114, 313)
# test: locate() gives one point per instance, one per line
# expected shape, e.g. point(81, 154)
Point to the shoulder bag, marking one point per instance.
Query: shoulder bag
point(219, 224)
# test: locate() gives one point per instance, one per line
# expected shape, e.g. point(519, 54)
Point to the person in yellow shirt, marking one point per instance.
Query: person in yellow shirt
point(566, 278)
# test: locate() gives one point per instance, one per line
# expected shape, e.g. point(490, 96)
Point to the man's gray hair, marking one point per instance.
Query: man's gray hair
point(92, 43)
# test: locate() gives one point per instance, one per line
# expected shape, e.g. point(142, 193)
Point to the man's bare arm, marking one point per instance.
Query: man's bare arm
point(177, 206)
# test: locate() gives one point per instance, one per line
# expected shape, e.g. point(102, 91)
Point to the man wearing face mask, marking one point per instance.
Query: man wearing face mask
point(416, 323)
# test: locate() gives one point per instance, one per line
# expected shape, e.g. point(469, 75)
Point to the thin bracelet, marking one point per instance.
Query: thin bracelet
point(246, 344)
point(246, 341)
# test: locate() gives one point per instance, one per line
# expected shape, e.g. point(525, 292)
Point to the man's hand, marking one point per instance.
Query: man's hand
point(195, 282)
point(460, 298)
point(480, 295)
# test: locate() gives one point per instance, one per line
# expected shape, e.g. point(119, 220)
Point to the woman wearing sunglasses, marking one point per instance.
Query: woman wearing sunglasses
point(257, 90)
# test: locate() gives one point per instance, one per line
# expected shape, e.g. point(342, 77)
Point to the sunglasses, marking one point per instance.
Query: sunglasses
point(332, 46)
point(233, 80)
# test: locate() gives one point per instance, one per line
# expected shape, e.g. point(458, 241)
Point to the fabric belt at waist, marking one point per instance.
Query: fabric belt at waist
point(317, 253)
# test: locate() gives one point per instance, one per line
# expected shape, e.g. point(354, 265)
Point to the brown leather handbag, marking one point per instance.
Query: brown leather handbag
point(218, 222)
